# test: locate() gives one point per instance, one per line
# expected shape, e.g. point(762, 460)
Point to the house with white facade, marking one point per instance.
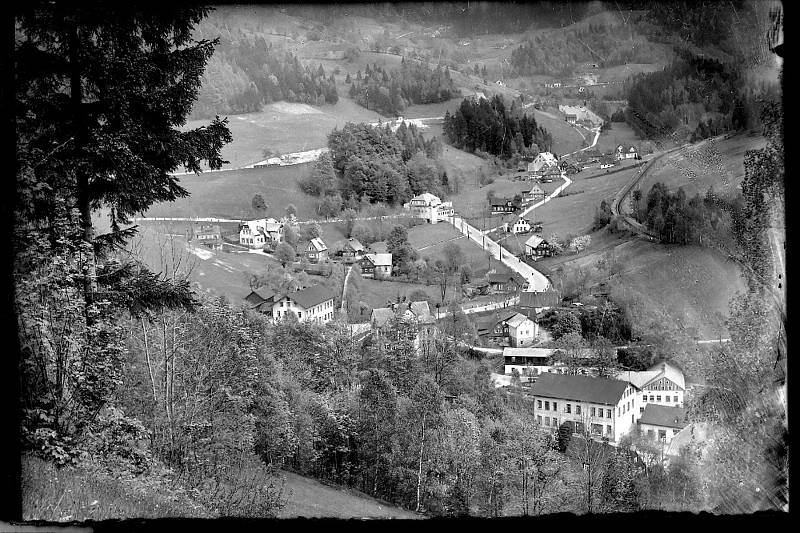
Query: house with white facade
point(376, 266)
point(662, 423)
point(626, 151)
point(312, 304)
point(528, 361)
point(519, 226)
point(602, 407)
point(662, 384)
point(536, 194)
point(429, 207)
point(257, 233)
point(542, 160)
point(317, 250)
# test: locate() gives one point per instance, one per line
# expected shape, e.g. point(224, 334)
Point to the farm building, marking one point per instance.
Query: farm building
point(661, 422)
point(536, 194)
point(519, 226)
point(376, 266)
point(572, 119)
point(527, 361)
point(543, 160)
point(539, 301)
point(317, 250)
point(626, 151)
point(508, 282)
point(607, 161)
point(256, 233)
point(351, 250)
point(536, 247)
point(504, 205)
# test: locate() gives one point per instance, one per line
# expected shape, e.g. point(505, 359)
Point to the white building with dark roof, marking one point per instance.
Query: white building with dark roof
point(256, 233)
point(527, 361)
point(661, 423)
point(429, 207)
point(662, 384)
point(602, 407)
point(312, 304)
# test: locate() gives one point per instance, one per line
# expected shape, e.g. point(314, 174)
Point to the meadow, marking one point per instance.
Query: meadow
point(229, 194)
point(431, 239)
point(719, 163)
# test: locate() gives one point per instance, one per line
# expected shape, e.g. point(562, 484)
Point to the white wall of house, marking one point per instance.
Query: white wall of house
point(615, 422)
point(322, 312)
point(655, 432)
point(525, 334)
point(527, 370)
point(662, 392)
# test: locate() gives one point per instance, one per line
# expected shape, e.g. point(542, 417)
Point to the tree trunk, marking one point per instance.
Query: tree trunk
point(82, 179)
point(149, 363)
point(419, 471)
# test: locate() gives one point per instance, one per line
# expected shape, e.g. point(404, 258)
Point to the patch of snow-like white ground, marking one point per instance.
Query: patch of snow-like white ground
point(199, 252)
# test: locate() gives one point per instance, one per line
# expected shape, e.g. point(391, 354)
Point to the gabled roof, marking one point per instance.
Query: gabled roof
point(380, 259)
point(311, 296)
point(662, 415)
point(380, 316)
point(638, 379)
point(517, 320)
point(317, 244)
point(536, 190)
point(548, 298)
point(428, 198)
point(422, 311)
point(528, 352)
point(534, 241)
point(354, 244)
point(265, 293)
point(579, 388)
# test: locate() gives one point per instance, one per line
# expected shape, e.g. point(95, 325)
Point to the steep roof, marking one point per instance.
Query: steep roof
point(318, 244)
point(380, 316)
point(638, 379)
point(421, 310)
point(664, 369)
point(536, 190)
point(355, 244)
point(579, 388)
point(662, 415)
point(534, 241)
point(528, 352)
point(547, 298)
point(516, 320)
point(311, 296)
point(265, 293)
point(380, 259)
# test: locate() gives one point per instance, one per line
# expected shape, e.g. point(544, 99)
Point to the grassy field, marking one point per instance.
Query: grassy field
point(471, 200)
point(213, 273)
point(720, 164)
point(572, 212)
point(620, 133)
point(431, 239)
point(229, 194)
point(284, 127)
point(565, 138)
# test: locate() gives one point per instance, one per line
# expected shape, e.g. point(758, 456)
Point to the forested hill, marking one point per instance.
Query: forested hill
point(413, 83)
point(246, 72)
point(489, 126)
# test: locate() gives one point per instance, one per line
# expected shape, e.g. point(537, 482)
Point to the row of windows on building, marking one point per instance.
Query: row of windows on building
point(248, 240)
point(597, 429)
point(594, 411)
point(661, 386)
point(662, 433)
point(658, 398)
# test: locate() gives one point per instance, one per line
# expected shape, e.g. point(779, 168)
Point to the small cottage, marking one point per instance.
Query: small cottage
point(376, 266)
point(316, 250)
point(537, 247)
